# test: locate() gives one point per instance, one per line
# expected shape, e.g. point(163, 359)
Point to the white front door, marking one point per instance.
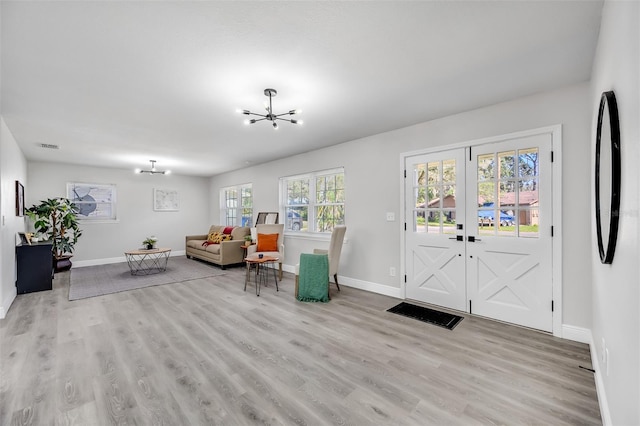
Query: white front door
point(509, 243)
point(478, 235)
point(434, 244)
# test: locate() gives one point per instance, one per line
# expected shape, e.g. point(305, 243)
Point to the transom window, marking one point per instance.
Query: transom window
point(236, 205)
point(313, 202)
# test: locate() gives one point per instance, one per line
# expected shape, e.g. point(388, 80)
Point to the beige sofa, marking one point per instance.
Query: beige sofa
point(223, 254)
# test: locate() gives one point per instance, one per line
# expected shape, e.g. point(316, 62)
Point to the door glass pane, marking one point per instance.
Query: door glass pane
point(419, 223)
point(506, 161)
point(486, 221)
point(528, 164)
point(486, 192)
point(420, 195)
point(486, 166)
point(449, 221)
point(507, 196)
point(507, 224)
point(449, 171)
point(433, 193)
point(528, 192)
point(434, 225)
point(528, 223)
point(433, 173)
point(420, 174)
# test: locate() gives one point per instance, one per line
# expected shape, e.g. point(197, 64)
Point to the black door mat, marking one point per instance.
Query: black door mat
point(431, 316)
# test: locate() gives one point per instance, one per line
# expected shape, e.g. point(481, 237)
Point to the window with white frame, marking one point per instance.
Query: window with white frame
point(236, 205)
point(313, 202)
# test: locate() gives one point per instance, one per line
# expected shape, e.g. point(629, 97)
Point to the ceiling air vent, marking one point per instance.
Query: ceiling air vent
point(48, 146)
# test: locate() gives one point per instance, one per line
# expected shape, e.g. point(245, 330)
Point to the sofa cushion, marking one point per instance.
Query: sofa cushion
point(197, 244)
point(213, 248)
point(239, 232)
point(216, 228)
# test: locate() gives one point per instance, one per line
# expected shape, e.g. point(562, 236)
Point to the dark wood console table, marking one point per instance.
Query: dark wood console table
point(35, 267)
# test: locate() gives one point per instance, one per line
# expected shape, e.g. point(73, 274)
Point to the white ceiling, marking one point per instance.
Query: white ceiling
point(119, 83)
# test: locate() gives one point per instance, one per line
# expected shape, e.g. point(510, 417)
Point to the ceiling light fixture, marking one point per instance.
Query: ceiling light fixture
point(153, 170)
point(270, 116)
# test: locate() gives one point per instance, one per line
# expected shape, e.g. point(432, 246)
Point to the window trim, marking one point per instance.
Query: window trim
point(224, 209)
point(311, 205)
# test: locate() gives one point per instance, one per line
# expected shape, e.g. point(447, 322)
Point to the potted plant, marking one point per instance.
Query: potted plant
point(56, 219)
point(150, 242)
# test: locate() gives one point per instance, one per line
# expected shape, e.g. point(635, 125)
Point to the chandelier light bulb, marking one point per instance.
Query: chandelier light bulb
point(168, 172)
point(247, 121)
point(138, 170)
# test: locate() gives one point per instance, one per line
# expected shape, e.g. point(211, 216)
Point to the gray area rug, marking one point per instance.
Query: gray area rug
point(91, 281)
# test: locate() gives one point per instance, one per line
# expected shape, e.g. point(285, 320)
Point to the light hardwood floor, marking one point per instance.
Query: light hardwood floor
point(206, 352)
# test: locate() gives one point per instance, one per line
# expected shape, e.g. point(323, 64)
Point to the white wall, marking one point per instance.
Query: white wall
point(13, 166)
point(104, 242)
point(616, 294)
point(373, 179)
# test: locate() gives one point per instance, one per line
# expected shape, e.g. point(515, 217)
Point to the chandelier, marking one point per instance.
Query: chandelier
point(153, 170)
point(270, 116)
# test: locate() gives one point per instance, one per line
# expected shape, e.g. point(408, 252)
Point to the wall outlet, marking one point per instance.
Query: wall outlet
point(392, 271)
point(391, 216)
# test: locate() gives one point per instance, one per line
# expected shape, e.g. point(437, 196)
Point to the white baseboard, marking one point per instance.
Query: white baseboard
point(577, 334)
point(370, 286)
point(583, 335)
point(108, 260)
point(359, 284)
point(6, 303)
point(600, 390)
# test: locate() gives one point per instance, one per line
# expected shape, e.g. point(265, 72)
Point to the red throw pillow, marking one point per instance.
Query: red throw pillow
point(267, 242)
point(228, 230)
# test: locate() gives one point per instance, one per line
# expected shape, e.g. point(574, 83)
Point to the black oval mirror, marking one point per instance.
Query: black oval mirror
point(607, 176)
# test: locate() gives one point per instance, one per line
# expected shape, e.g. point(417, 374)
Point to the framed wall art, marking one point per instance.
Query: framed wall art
point(95, 201)
point(165, 200)
point(19, 199)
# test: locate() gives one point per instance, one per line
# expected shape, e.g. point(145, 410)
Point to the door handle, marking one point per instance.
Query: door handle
point(457, 238)
point(473, 239)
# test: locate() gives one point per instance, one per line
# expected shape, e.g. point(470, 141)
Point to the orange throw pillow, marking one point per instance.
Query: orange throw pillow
point(267, 242)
